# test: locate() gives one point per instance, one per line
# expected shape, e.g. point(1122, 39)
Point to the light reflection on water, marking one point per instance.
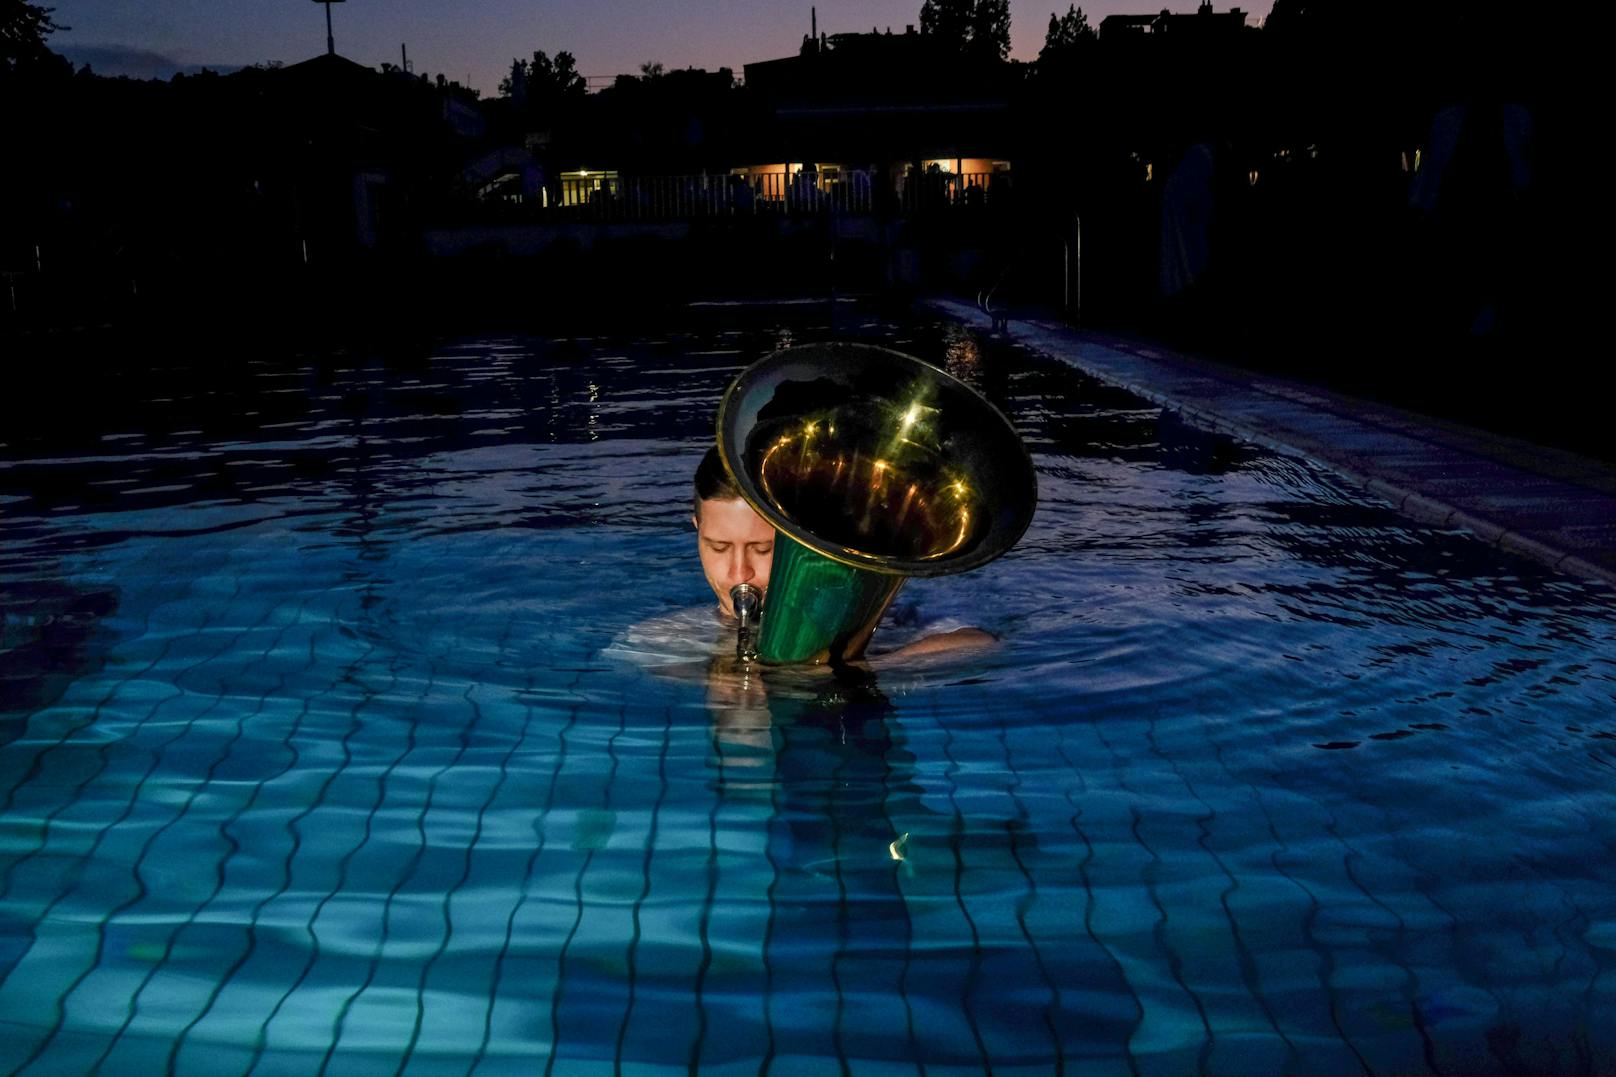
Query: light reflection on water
point(314, 749)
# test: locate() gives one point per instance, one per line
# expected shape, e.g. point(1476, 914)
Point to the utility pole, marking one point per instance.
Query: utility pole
point(330, 42)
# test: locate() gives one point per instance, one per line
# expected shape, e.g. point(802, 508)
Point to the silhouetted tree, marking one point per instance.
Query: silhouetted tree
point(560, 78)
point(990, 28)
point(23, 30)
point(1067, 31)
point(975, 27)
point(544, 80)
point(651, 69)
point(949, 20)
point(514, 85)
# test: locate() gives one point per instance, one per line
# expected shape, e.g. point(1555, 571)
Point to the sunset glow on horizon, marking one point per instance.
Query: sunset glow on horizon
point(476, 47)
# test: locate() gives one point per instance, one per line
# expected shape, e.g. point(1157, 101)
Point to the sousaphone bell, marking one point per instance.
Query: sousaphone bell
point(872, 466)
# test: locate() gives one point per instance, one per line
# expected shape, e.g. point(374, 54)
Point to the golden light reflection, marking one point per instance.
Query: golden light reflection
point(908, 501)
point(964, 528)
point(885, 503)
point(763, 473)
point(964, 356)
point(895, 849)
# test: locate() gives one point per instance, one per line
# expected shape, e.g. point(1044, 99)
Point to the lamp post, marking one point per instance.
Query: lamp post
point(330, 42)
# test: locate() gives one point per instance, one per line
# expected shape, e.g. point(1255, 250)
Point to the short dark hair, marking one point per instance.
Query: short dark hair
point(713, 482)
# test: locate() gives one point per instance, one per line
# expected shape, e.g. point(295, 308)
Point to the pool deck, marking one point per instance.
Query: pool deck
point(1547, 504)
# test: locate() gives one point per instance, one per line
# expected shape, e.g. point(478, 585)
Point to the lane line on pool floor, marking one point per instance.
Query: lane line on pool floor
point(1432, 470)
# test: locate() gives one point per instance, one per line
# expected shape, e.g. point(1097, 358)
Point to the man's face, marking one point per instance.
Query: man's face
point(737, 546)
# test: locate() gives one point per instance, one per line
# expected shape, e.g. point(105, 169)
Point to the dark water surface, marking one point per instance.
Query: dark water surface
point(316, 753)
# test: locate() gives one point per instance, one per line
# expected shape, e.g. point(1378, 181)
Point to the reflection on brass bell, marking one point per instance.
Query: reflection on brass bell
point(873, 467)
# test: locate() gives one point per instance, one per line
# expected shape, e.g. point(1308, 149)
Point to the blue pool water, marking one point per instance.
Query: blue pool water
point(321, 750)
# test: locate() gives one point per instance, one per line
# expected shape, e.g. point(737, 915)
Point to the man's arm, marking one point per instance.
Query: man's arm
point(959, 640)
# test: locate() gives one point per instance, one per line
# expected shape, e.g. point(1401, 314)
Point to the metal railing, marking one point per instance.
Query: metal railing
point(933, 191)
point(607, 197)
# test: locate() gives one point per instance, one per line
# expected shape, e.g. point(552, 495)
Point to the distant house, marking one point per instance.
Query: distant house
point(343, 147)
point(899, 112)
point(855, 122)
point(1204, 24)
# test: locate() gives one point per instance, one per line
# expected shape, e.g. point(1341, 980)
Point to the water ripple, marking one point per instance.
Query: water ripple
point(316, 752)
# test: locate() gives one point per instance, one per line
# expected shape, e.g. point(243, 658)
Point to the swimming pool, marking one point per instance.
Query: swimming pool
point(317, 753)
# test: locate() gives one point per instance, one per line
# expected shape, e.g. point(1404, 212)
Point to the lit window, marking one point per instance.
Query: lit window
point(580, 188)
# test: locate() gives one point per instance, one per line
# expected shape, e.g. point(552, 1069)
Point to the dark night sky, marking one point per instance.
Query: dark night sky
point(473, 41)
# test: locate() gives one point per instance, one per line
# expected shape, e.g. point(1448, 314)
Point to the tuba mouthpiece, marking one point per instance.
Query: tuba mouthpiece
point(748, 603)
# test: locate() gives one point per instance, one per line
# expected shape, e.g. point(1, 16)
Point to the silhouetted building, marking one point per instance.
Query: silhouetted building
point(894, 109)
point(1203, 25)
point(855, 122)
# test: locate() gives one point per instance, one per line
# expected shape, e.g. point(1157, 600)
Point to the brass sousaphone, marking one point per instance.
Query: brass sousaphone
point(873, 467)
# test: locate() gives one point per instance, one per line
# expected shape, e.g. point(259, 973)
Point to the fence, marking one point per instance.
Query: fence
point(607, 197)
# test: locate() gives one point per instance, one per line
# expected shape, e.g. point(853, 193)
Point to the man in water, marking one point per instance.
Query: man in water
point(735, 543)
point(737, 546)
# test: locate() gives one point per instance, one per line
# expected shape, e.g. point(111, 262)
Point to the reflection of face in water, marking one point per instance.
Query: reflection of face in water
point(757, 706)
point(738, 703)
point(842, 795)
point(818, 780)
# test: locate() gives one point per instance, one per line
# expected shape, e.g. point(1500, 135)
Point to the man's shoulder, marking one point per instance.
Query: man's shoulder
point(679, 636)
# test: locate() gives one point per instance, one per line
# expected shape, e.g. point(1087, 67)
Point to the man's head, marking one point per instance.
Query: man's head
point(736, 544)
